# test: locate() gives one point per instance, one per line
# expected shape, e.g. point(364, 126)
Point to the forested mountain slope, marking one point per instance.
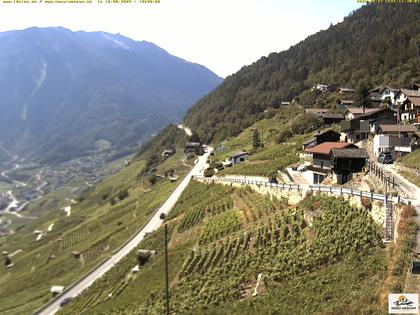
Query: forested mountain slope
point(377, 44)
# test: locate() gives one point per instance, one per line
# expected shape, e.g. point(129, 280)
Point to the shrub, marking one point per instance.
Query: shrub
point(123, 194)
point(305, 123)
point(113, 201)
point(366, 203)
point(209, 172)
point(284, 135)
point(152, 179)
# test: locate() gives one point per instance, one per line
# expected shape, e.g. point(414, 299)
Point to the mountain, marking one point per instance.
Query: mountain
point(67, 93)
point(377, 44)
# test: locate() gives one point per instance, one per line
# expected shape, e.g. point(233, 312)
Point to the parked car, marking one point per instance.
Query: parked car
point(162, 216)
point(273, 180)
point(66, 301)
point(385, 158)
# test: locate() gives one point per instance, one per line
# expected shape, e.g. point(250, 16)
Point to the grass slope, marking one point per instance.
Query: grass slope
point(101, 219)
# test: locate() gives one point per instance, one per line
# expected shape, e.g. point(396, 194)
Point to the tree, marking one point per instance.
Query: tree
point(256, 139)
point(362, 93)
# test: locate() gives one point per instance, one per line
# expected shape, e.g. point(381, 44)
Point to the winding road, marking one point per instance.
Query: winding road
point(154, 223)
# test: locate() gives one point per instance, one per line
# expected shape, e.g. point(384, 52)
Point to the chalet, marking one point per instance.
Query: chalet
point(345, 162)
point(398, 138)
point(238, 157)
point(403, 94)
point(388, 94)
point(192, 147)
point(332, 118)
point(374, 95)
point(362, 122)
point(321, 159)
point(365, 113)
point(409, 110)
point(397, 130)
point(356, 130)
point(321, 137)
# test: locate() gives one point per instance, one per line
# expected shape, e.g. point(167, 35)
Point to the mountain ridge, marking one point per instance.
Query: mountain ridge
point(63, 91)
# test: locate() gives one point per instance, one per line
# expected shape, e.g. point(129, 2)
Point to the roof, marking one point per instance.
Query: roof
point(389, 88)
point(375, 89)
point(193, 144)
point(350, 153)
point(331, 115)
point(415, 100)
point(364, 111)
point(398, 128)
point(325, 147)
point(309, 141)
point(410, 92)
point(239, 153)
point(327, 131)
point(316, 110)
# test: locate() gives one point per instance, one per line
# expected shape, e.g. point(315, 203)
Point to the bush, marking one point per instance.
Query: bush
point(305, 123)
point(123, 194)
point(284, 135)
point(113, 201)
point(366, 203)
point(152, 179)
point(209, 172)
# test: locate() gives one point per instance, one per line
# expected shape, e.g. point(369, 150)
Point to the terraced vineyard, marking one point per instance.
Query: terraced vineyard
point(244, 235)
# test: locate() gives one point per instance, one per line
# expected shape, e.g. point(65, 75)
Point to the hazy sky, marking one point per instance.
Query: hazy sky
point(223, 35)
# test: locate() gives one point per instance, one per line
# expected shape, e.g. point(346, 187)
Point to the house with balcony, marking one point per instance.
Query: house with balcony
point(401, 139)
point(336, 159)
point(321, 137)
point(387, 94)
point(403, 94)
point(409, 110)
point(321, 161)
point(346, 162)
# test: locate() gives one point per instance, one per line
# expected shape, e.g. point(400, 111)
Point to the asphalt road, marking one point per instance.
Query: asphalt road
point(154, 223)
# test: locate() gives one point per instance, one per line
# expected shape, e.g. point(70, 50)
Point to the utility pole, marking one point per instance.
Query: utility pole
point(166, 271)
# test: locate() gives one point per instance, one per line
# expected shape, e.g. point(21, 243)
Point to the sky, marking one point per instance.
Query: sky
point(222, 35)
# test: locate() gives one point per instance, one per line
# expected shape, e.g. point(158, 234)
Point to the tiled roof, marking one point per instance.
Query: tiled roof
point(239, 153)
point(325, 147)
point(398, 128)
point(350, 153)
point(410, 92)
point(364, 111)
point(415, 100)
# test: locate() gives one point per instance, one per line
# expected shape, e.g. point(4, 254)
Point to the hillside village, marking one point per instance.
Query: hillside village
point(387, 124)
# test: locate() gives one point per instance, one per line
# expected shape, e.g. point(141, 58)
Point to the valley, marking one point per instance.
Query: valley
point(289, 187)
